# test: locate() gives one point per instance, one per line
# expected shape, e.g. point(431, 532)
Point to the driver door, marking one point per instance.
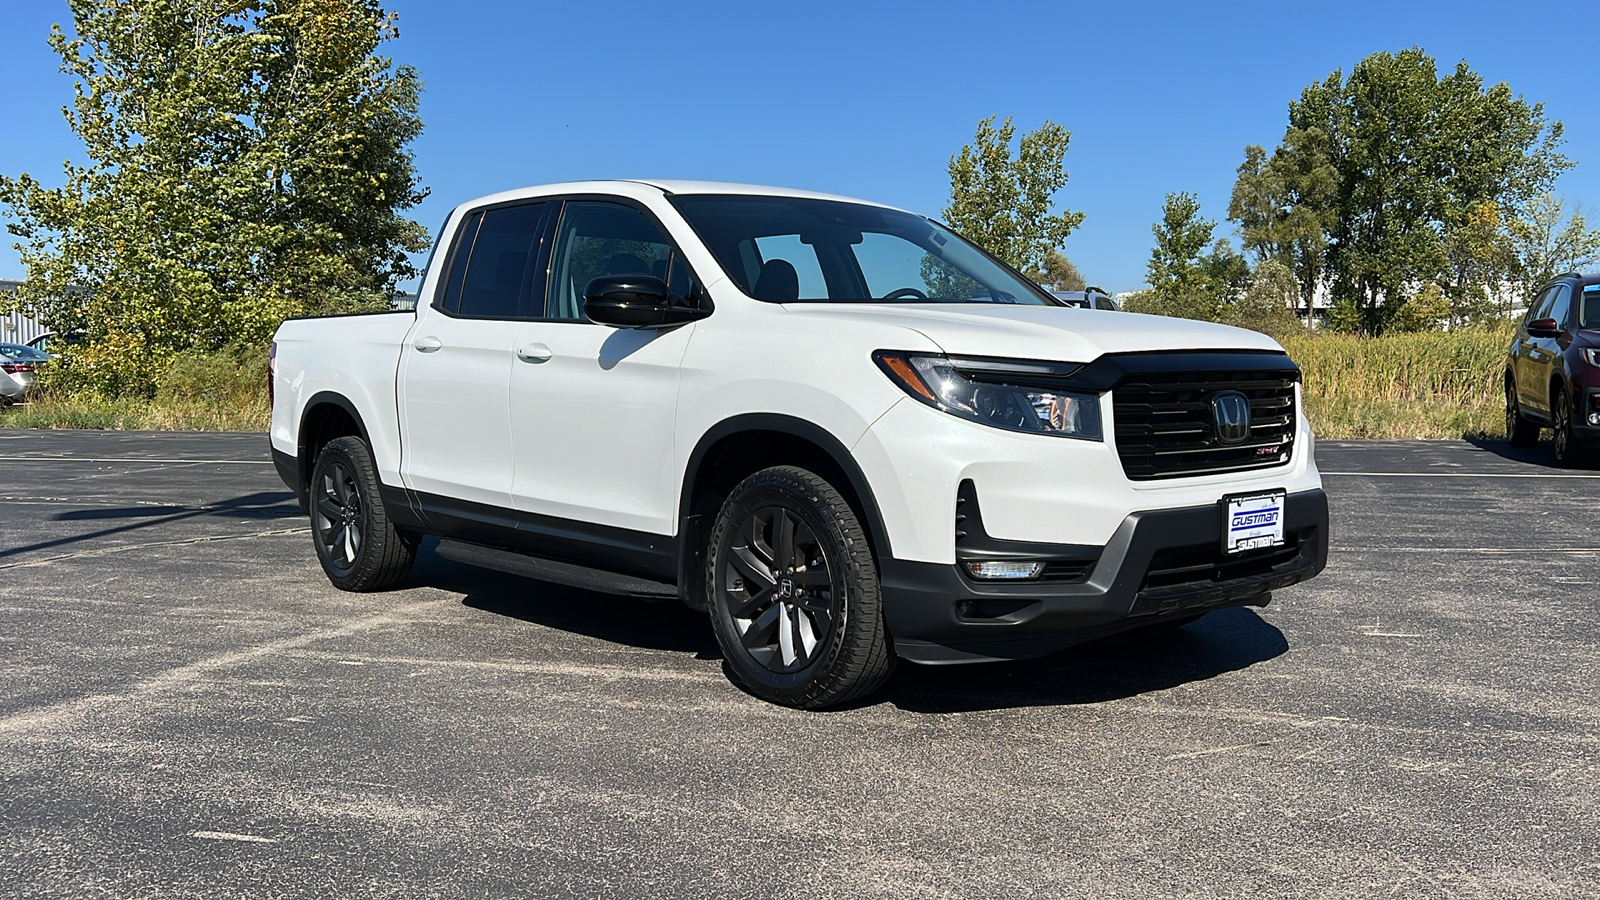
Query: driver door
point(592, 406)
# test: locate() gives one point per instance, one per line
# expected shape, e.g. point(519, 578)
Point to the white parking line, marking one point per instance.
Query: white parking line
point(133, 459)
point(1466, 550)
point(1456, 475)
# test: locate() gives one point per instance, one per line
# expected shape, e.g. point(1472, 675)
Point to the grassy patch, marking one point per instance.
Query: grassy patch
point(226, 391)
point(1437, 385)
point(1429, 385)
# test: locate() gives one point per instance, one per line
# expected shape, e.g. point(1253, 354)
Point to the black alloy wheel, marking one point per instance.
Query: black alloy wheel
point(340, 517)
point(794, 592)
point(359, 548)
point(1569, 453)
point(1520, 431)
point(780, 593)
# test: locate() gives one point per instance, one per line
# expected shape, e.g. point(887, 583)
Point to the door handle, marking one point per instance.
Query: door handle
point(428, 344)
point(534, 353)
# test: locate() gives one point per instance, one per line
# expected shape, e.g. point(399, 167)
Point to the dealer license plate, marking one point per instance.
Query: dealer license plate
point(1253, 522)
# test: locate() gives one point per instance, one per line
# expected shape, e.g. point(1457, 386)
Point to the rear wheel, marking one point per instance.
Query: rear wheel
point(1569, 453)
point(794, 597)
point(1520, 431)
point(357, 544)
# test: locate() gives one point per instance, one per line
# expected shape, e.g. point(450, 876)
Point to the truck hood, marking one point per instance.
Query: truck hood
point(1067, 334)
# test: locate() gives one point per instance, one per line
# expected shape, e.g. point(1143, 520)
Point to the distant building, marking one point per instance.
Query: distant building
point(16, 328)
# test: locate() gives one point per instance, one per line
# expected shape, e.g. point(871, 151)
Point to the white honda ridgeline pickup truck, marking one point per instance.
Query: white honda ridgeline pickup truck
point(838, 428)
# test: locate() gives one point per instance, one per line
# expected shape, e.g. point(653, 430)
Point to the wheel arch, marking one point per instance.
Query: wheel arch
point(327, 415)
point(742, 445)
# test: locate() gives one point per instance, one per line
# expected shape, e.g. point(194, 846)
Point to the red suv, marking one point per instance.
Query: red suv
point(1553, 370)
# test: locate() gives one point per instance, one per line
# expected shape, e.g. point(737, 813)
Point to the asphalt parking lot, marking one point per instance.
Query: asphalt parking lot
point(188, 709)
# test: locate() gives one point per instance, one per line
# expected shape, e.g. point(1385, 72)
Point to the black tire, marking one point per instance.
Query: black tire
point(787, 559)
point(1569, 453)
point(357, 544)
point(1520, 431)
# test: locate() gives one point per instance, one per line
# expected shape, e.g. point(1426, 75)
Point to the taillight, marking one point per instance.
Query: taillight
point(272, 374)
point(14, 368)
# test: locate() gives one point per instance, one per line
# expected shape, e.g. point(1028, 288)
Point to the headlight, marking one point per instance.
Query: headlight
point(1592, 357)
point(1003, 393)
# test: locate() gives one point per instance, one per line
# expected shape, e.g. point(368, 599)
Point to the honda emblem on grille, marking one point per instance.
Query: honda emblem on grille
point(1231, 411)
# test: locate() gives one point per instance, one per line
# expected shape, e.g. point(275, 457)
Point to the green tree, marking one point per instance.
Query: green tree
point(1546, 241)
point(1386, 180)
point(1002, 202)
point(246, 161)
point(1189, 274)
point(1059, 273)
point(1267, 303)
point(1283, 206)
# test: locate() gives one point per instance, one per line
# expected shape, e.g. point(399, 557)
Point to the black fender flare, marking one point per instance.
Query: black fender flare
point(800, 428)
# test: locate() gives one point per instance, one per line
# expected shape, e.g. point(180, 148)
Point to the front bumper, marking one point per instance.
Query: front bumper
point(1587, 401)
point(1159, 563)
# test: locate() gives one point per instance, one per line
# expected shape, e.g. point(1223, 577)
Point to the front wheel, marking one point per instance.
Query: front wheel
point(1569, 453)
point(1520, 431)
point(357, 544)
point(794, 592)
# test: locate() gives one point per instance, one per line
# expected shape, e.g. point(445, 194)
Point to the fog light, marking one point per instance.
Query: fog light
point(997, 571)
point(1594, 418)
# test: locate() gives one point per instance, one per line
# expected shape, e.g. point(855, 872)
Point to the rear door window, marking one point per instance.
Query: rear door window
point(501, 275)
point(449, 297)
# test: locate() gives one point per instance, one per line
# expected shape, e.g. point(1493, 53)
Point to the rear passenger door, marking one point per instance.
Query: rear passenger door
point(592, 406)
point(455, 370)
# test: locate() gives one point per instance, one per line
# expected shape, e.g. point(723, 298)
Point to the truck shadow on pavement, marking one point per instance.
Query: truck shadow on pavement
point(267, 505)
point(1539, 454)
point(1112, 668)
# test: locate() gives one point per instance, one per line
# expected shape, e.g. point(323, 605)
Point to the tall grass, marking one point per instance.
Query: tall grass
point(223, 391)
point(1429, 385)
point(1435, 385)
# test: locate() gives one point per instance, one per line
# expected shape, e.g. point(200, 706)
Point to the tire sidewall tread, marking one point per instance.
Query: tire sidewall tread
point(386, 555)
point(857, 659)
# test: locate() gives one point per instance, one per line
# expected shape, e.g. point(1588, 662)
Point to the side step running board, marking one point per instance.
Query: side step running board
point(555, 572)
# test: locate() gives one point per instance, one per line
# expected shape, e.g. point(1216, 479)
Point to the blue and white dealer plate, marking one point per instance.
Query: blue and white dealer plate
point(1254, 522)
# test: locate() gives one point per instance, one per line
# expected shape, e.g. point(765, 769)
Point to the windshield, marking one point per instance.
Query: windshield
point(1589, 312)
point(22, 353)
point(794, 250)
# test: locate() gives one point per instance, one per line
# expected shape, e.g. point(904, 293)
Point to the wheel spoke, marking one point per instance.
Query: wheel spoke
point(338, 482)
point(783, 539)
point(746, 607)
point(806, 633)
point(329, 510)
point(812, 578)
point(751, 567)
point(333, 536)
point(786, 635)
point(756, 540)
point(350, 543)
point(759, 633)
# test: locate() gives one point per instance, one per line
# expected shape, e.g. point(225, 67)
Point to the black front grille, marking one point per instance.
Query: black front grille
point(1165, 427)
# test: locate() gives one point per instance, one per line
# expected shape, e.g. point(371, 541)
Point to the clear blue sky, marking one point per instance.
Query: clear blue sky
point(871, 99)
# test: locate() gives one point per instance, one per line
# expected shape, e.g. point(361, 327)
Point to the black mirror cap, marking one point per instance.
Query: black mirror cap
point(1544, 328)
point(634, 301)
point(627, 301)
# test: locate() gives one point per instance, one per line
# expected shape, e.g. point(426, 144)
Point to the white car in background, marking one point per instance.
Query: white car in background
point(18, 368)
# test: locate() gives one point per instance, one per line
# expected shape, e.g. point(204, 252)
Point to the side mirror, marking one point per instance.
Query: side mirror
point(635, 301)
point(1544, 328)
